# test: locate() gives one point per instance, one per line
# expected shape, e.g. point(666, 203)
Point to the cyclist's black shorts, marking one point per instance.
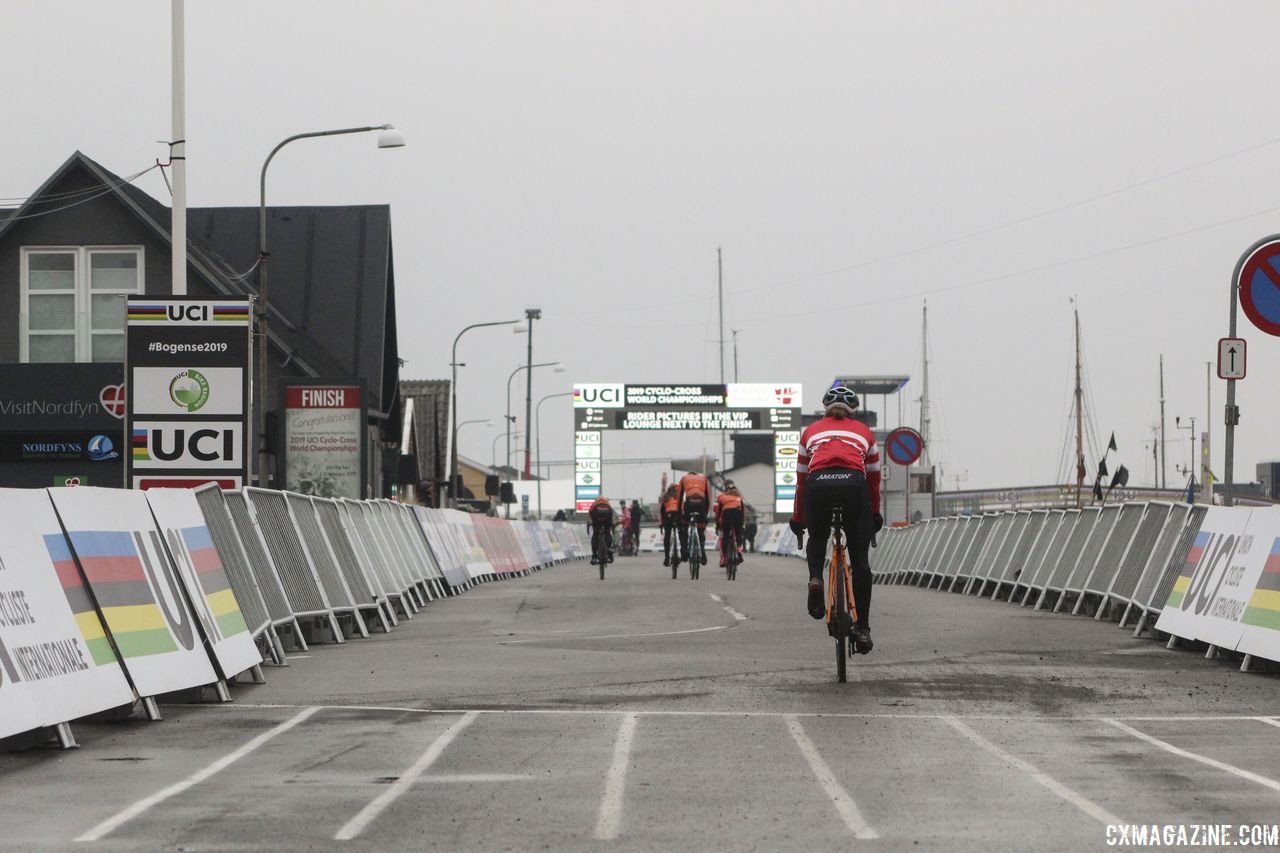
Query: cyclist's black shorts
point(847, 489)
point(731, 519)
point(601, 519)
point(694, 506)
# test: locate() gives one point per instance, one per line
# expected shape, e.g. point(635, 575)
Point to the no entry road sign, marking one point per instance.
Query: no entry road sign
point(1231, 358)
point(904, 445)
point(1259, 287)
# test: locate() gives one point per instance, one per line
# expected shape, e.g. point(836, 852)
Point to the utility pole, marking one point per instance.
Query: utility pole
point(1163, 481)
point(720, 291)
point(1206, 474)
point(735, 354)
point(530, 314)
point(1079, 417)
point(178, 151)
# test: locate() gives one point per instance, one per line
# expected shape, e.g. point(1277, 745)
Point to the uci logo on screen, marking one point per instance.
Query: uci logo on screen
point(607, 395)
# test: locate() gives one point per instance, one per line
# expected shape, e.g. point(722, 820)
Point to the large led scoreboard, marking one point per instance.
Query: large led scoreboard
point(601, 406)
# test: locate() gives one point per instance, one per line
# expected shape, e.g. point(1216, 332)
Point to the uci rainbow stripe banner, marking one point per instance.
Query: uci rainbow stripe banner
point(115, 570)
point(213, 581)
point(187, 313)
point(1188, 569)
point(78, 598)
point(1264, 605)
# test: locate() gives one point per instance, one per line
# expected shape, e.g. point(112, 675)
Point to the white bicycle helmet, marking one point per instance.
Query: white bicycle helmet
point(840, 397)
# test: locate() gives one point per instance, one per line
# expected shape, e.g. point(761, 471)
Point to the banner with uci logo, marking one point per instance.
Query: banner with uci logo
point(189, 364)
point(138, 591)
point(56, 663)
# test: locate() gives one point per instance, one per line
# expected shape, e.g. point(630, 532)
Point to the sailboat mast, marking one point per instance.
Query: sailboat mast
point(724, 462)
point(924, 395)
point(1079, 420)
point(1162, 453)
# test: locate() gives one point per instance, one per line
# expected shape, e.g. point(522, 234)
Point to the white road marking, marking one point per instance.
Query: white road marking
point(1270, 721)
point(472, 778)
point(1082, 803)
point(844, 803)
point(369, 813)
point(611, 802)
point(613, 636)
point(115, 821)
point(400, 709)
point(1203, 759)
point(727, 609)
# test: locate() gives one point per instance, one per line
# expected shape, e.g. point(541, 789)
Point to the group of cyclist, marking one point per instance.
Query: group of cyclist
point(838, 466)
point(685, 504)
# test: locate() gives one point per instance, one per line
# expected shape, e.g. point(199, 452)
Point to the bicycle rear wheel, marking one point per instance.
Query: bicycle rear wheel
point(732, 557)
point(602, 553)
point(695, 552)
point(839, 618)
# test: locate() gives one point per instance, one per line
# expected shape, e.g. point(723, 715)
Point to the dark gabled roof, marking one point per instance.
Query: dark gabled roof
point(331, 282)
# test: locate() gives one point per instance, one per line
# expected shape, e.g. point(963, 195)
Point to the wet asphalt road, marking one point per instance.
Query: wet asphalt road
point(558, 711)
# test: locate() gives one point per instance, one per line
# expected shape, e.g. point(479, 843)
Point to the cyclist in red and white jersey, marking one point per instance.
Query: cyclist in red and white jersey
point(839, 465)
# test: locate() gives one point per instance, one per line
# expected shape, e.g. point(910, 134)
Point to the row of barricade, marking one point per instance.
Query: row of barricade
point(109, 598)
point(1206, 574)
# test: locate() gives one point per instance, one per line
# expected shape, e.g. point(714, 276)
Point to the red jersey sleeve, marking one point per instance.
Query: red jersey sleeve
point(873, 474)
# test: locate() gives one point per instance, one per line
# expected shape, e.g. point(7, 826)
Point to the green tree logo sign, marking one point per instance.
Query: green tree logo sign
point(189, 390)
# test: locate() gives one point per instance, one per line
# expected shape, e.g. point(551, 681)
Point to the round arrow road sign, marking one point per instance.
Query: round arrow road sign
point(1259, 285)
point(904, 445)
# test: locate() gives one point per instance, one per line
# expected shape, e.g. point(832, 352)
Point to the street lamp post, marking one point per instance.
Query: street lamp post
point(530, 314)
point(559, 368)
point(484, 421)
point(388, 138)
point(493, 450)
point(453, 406)
point(537, 420)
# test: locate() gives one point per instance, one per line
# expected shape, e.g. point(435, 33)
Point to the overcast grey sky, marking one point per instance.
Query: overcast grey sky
point(589, 157)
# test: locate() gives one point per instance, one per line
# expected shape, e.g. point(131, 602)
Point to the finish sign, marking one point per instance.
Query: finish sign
point(1258, 282)
point(1231, 358)
point(904, 445)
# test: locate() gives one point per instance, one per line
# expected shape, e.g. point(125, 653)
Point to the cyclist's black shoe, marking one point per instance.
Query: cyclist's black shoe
point(862, 639)
point(666, 561)
point(595, 561)
point(817, 607)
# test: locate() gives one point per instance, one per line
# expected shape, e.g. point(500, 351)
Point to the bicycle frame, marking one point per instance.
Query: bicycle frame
point(694, 545)
point(842, 611)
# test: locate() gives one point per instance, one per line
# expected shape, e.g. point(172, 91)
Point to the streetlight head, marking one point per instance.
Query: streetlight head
point(558, 368)
point(519, 328)
point(390, 137)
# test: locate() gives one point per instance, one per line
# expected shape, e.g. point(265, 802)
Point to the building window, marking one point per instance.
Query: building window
point(73, 301)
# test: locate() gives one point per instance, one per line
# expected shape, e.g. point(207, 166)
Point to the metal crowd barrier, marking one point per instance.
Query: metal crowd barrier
point(244, 570)
point(1117, 562)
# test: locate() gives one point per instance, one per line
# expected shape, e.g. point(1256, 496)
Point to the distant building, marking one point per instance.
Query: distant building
point(86, 239)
